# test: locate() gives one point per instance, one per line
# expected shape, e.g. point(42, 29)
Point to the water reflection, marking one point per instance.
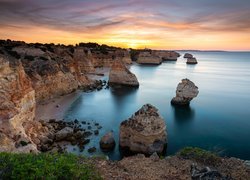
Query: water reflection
point(183, 114)
point(123, 97)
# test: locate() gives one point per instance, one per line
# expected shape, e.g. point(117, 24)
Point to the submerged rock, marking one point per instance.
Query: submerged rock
point(120, 75)
point(92, 150)
point(107, 142)
point(188, 55)
point(185, 92)
point(191, 60)
point(145, 132)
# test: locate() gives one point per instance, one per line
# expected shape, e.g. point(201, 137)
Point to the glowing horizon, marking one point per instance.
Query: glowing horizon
point(203, 25)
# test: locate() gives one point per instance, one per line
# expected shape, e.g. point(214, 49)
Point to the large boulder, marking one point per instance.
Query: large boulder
point(107, 142)
point(185, 92)
point(188, 55)
point(191, 60)
point(64, 133)
point(145, 132)
point(120, 75)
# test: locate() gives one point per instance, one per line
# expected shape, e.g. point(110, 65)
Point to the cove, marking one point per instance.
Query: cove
point(218, 119)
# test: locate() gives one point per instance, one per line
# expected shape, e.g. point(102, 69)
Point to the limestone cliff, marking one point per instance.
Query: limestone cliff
point(148, 57)
point(17, 106)
point(107, 57)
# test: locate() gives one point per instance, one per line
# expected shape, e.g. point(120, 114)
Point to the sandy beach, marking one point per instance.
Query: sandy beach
point(56, 107)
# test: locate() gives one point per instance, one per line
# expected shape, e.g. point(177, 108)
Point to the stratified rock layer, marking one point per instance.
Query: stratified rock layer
point(185, 92)
point(120, 75)
point(17, 106)
point(145, 132)
point(148, 57)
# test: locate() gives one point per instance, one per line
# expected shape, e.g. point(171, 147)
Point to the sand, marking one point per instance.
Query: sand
point(56, 107)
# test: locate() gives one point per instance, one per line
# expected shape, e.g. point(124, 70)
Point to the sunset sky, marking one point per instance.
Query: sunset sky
point(156, 24)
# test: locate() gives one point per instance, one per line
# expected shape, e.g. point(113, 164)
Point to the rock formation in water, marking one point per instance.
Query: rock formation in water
point(145, 132)
point(120, 75)
point(148, 57)
point(188, 55)
point(171, 56)
point(191, 60)
point(185, 92)
point(107, 142)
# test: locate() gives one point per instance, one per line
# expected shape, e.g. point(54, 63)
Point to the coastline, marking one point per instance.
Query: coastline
point(56, 107)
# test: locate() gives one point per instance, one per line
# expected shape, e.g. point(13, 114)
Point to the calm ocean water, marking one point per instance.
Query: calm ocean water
point(217, 120)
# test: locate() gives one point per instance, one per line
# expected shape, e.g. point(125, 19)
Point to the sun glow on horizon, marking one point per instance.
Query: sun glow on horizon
point(145, 38)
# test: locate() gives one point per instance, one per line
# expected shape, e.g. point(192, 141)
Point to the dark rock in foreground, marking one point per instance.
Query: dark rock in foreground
point(107, 142)
point(145, 132)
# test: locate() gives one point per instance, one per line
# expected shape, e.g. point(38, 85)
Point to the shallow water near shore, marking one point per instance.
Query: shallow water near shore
point(217, 120)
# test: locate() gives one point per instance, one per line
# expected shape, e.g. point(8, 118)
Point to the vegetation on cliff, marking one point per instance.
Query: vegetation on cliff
point(199, 155)
point(45, 166)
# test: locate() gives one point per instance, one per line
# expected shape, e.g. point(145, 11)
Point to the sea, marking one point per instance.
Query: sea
point(218, 119)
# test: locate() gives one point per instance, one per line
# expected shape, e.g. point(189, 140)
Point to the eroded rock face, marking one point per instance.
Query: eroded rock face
point(145, 132)
point(185, 92)
point(120, 75)
point(107, 142)
point(171, 56)
point(107, 57)
point(188, 55)
point(17, 106)
point(148, 57)
point(191, 60)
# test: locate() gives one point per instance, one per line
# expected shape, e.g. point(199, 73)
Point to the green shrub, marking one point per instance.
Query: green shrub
point(23, 143)
point(199, 155)
point(45, 166)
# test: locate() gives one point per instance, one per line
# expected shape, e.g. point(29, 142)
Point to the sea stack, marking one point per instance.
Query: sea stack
point(120, 75)
point(191, 60)
point(144, 132)
point(148, 57)
point(185, 92)
point(171, 56)
point(188, 55)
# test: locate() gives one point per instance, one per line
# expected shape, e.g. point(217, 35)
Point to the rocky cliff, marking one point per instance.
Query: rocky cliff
point(148, 57)
point(107, 57)
point(17, 106)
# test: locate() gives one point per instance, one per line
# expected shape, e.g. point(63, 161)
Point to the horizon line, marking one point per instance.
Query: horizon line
point(71, 44)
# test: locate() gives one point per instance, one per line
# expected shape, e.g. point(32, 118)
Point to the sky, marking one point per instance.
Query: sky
point(155, 24)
